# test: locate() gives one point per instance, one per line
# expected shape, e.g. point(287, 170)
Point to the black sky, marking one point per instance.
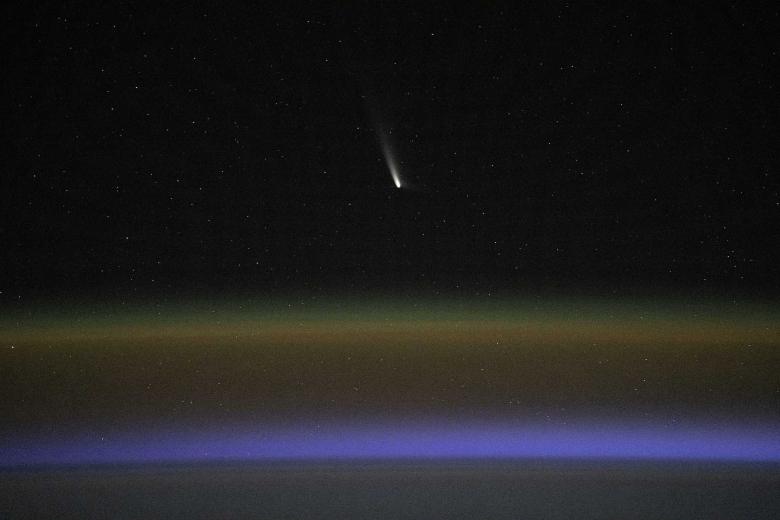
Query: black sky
point(232, 149)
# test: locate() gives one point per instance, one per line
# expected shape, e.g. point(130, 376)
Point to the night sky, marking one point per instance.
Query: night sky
point(244, 231)
point(165, 152)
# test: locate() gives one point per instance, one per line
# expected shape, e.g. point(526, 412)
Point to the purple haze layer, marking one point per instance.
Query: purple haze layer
point(403, 441)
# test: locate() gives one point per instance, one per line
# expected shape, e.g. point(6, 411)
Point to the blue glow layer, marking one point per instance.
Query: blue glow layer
point(402, 441)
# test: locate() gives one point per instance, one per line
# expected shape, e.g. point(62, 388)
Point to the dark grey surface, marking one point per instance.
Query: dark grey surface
point(444, 489)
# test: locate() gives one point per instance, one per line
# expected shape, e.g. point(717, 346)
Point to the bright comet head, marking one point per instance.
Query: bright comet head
point(391, 162)
point(396, 179)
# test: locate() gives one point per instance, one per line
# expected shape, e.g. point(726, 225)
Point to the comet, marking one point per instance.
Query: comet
point(392, 164)
point(396, 179)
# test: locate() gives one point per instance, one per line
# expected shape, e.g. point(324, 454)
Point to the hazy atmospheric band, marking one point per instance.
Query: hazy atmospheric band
point(415, 441)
